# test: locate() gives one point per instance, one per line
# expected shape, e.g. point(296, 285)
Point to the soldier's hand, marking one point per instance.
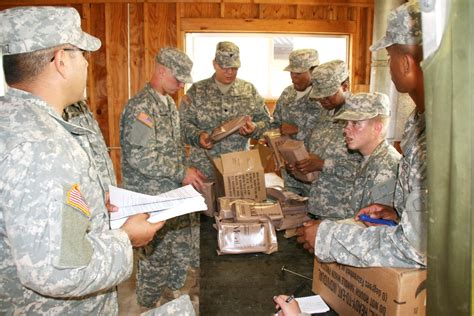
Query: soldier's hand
point(290, 167)
point(291, 308)
point(248, 128)
point(139, 230)
point(204, 141)
point(110, 207)
point(194, 177)
point(288, 129)
point(307, 234)
point(377, 211)
point(311, 164)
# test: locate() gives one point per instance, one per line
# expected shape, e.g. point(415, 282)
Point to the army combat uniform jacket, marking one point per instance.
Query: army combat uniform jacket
point(152, 149)
point(57, 253)
point(400, 246)
point(332, 189)
point(153, 162)
point(205, 107)
point(376, 178)
point(303, 113)
point(94, 143)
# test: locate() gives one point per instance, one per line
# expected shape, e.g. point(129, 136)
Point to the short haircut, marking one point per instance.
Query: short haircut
point(414, 50)
point(384, 119)
point(27, 66)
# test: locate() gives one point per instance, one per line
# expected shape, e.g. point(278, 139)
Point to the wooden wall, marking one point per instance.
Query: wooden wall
point(133, 31)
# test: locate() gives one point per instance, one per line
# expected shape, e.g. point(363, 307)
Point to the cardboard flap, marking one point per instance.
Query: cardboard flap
point(242, 161)
point(217, 163)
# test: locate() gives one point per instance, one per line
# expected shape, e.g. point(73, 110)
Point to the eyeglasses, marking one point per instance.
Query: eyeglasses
point(85, 53)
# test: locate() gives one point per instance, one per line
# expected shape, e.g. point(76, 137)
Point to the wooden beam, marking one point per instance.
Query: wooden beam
point(267, 25)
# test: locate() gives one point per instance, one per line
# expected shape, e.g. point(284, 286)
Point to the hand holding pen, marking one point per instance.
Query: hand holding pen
point(287, 305)
point(377, 214)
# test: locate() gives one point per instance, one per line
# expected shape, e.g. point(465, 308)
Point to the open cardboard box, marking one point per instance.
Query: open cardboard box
point(240, 174)
point(370, 291)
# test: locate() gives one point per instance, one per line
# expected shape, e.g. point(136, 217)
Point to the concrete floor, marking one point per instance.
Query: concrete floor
point(239, 284)
point(244, 284)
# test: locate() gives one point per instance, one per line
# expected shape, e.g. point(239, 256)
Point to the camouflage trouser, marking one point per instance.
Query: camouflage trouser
point(295, 185)
point(163, 263)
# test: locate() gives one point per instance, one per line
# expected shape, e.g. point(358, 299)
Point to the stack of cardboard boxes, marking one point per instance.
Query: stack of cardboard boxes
point(245, 218)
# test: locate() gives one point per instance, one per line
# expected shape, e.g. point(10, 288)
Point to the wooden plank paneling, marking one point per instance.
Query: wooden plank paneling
point(198, 10)
point(272, 11)
point(354, 3)
point(98, 100)
point(157, 36)
point(306, 12)
point(138, 73)
point(240, 11)
point(116, 20)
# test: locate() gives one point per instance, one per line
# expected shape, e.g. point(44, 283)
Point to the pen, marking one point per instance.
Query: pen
point(367, 218)
point(289, 299)
point(292, 296)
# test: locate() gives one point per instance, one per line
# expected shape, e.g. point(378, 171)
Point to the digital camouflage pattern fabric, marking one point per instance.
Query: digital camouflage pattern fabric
point(227, 55)
point(57, 252)
point(94, 143)
point(153, 162)
point(375, 179)
point(204, 107)
point(327, 78)
point(178, 62)
point(404, 27)
point(305, 114)
point(302, 60)
point(364, 106)
point(403, 246)
point(330, 192)
point(28, 29)
point(181, 306)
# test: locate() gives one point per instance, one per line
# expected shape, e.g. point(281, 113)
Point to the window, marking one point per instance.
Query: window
point(263, 56)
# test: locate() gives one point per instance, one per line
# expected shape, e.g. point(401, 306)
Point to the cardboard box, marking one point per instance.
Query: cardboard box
point(293, 151)
point(267, 157)
point(371, 291)
point(241, 175)
point(274, 140)
point(207, 192)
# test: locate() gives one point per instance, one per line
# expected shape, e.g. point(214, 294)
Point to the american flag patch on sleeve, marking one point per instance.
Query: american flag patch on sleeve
point(145, 119)
point(76, 200)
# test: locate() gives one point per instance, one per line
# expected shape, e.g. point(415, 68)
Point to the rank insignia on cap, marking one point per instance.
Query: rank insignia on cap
point(145, 119)
point(75, 199)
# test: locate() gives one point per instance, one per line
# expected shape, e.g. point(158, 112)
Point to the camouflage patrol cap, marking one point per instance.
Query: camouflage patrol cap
point(227, 55)
point(28, 29)
point(178, 62)
point(404, 27)
point(327, 78)
point(302, 60)
point(364, 106)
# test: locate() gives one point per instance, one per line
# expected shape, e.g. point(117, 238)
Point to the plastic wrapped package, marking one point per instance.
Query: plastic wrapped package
point(237, 238)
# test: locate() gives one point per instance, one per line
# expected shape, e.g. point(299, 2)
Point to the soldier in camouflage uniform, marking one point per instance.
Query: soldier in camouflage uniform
point(295, 113)
point(329, 153)
point(153, 162)
point(365, 131)
point(94, 143)
point(213, 101)
point(405, 244)
point(57, 253)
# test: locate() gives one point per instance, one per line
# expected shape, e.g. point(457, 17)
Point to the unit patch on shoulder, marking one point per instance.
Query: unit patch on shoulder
point(76, 200)
point(145, 119)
